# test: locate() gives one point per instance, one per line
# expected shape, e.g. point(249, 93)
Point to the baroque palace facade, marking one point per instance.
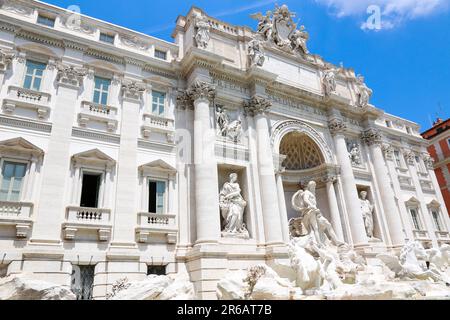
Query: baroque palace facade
point(123, 155)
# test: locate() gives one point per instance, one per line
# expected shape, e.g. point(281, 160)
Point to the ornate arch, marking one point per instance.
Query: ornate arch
point(282, 128)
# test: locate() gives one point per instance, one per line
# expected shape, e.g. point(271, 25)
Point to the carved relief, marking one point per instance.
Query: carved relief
point(17, 8)
point(257, 105)
point(70, 75)
point(280, 30)
point(134, 42)
point(6, 59)
point(337, 126)
point(388, 151)
point(363, 92)
point(202, 29)
point(410, 157)
point(232, 207)
point(255, 53)
point(133, 90)
point(75, 23)
point(354, 153)
point(372, 137)
point(184, 100)
point(428, 160)
point(228, 129)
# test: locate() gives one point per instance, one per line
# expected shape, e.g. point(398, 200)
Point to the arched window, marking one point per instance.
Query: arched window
point(301, 152)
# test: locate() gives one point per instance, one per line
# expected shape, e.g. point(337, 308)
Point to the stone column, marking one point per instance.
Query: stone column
point(47, 228)
point(257, 107)
point(283, 208)
point(334, 208)
point(373, 139)
point(356, 221)
point(205, 165)
point(127, 172)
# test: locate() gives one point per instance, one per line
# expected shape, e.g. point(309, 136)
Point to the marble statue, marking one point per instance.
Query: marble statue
point(256, 53)
point(231, 130)
point(411, 264)
point(299, 39)
point(232, 206)
point(355, 155)
point(202, 28)
point(363, 92)
point(440, 258)
point(305, 202)
point(265, 25)
point(367, 211)
point(329, 83)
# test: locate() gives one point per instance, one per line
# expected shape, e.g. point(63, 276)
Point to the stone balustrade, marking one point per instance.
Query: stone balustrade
point(153, 123)
point(95, 112)
point(17, 214)
point(26, 98)
point(94, 219)
point(157, 224)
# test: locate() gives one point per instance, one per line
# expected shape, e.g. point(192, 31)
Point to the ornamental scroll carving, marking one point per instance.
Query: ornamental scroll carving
point(70, 75)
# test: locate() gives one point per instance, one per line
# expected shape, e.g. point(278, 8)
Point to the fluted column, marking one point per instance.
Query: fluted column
point(358, 230)
point(205, 165)
point(283, 208)
point(373, 139)
point(334, 208)
point(257, 107)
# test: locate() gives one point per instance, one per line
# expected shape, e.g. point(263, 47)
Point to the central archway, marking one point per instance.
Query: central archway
point(301, 152)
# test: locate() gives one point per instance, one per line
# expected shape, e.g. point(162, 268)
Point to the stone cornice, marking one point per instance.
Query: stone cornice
point(105, 56)
point(35, 37)
point(257, 106)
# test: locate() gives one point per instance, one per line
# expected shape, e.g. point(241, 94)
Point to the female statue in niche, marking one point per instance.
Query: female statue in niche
point(232, 206)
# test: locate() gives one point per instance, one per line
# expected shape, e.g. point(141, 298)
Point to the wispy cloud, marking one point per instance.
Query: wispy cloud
point(252, 6)
point(393, 12)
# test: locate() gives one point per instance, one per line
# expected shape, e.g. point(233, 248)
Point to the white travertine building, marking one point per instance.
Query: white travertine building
point(123, 155)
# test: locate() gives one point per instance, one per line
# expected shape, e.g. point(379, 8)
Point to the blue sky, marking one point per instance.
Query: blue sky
point(406, 63)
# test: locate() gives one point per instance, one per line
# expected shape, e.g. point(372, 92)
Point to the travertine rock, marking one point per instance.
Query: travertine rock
point(158, 288)
point(23, 288)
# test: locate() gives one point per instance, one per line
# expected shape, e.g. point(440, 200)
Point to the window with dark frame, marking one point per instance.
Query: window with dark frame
point(157, 190)
point(90, 190)
point(107, 38)
point(160, 54)
point(437, 221)
point(415, 218)
point(156, 270)
point(46, 21)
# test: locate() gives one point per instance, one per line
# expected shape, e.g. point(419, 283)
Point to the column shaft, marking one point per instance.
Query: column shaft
point(334, 210)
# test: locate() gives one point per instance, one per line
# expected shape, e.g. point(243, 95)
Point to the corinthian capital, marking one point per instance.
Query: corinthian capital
point(337, 126)
point(70, 75)
point(257, 105)
point(372, 137)
point(202, 90)
point(132, 89)
point(184, 100)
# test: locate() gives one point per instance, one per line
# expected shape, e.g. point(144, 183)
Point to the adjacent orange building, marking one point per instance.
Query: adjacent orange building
point(439, 136)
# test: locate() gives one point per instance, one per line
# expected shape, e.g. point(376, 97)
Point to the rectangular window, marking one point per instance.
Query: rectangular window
point(388, 124)
point(397, 159)
point(90, 190)
point(106, 38)
point(415, 219)
point(101, 90)
point(157, 193)
point(158, 103)
point(12, 178)
point(161, 54)
point(437, 221)
point(34, 74)
point(408, 130)
point(156, 270)
point(46, 21)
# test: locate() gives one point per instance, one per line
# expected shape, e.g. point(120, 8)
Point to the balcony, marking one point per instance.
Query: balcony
point(158, 124)
point(157, 224)
point(443, 236)
point(29, 99)
point(17, 214)
point(87, 219)
point(94, 112)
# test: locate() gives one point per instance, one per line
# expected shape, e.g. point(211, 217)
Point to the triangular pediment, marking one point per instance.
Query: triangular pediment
point(413, 201)
point(20, 145)
point(159, 165)
point(94, 156)
point(434, 204)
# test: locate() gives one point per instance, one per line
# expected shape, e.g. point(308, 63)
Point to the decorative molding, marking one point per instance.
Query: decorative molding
point(25, 124)
point(78, 25)
point(133, 90)
point(105, 56)
point(388, 151)
point(156, 146)
point(134, 42)
point(372, 137)
point(34, 37)
point(202, 90)
point(96, 136)
point(75, 45)
point(256, 106)
point(17, 8)
point(5, 26)
point(337, 126)
point(410, 157)
point(70, 75)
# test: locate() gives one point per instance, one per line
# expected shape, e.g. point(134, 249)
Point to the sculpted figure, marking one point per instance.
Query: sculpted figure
point(367, 210)
point(355, 155)
point(329, 79)
point(299, 39)
point(256, 53)
point(313, 221)
point(232, 206)
point(265, 25)
point(222, 120)
point(363, 92)
point(231, 130)
point(202, 36)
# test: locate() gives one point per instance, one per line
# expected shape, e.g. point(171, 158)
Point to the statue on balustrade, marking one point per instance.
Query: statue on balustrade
point(232, 206)
point(312, 220)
